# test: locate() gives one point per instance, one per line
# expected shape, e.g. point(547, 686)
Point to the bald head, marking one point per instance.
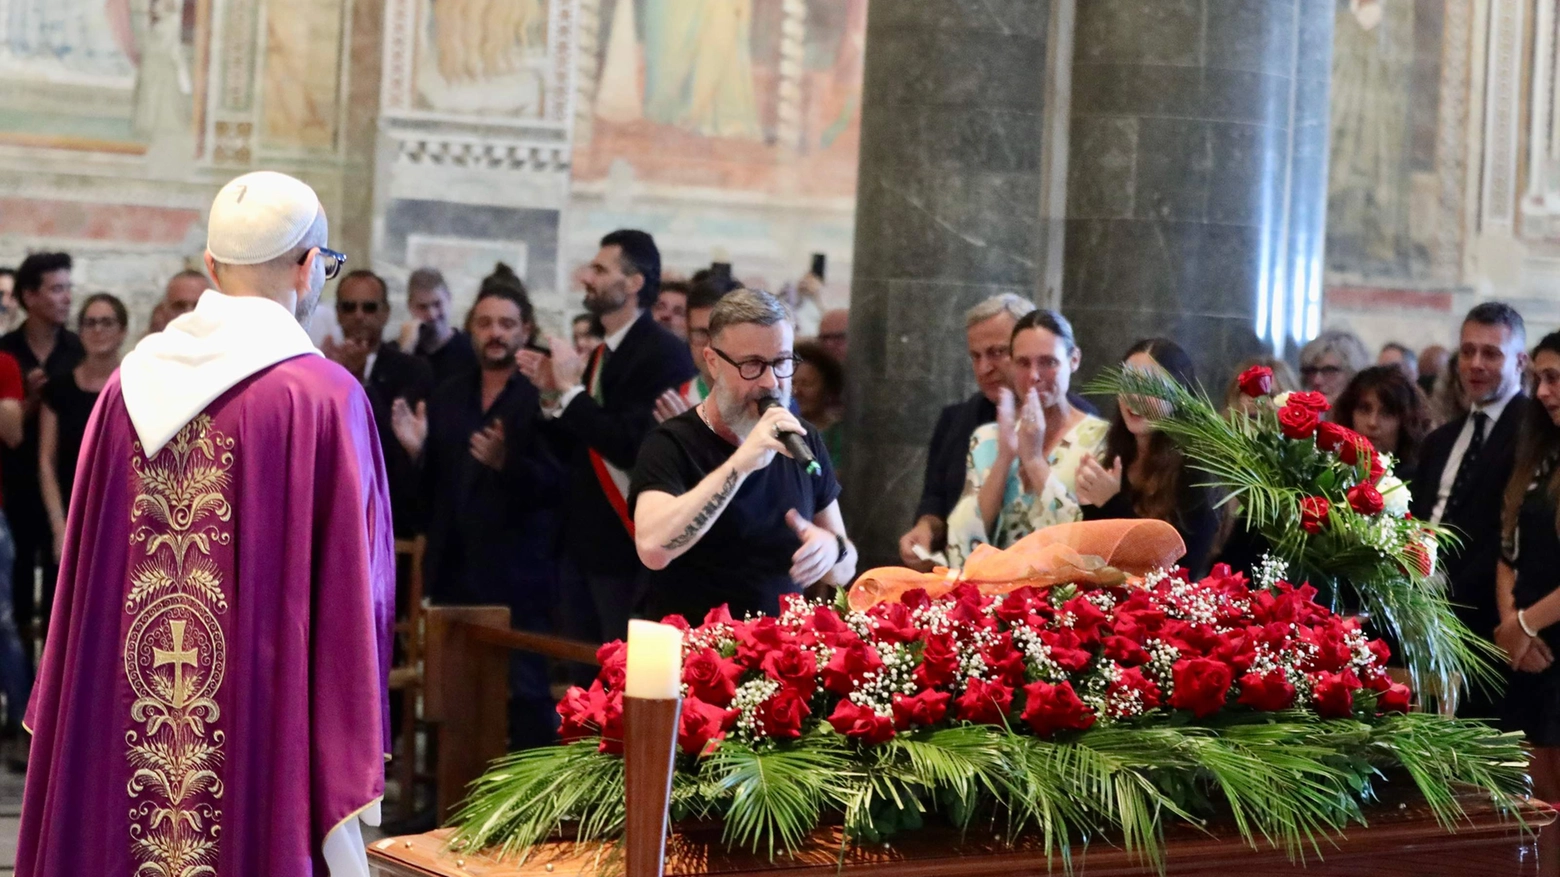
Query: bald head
point(834, 333)
point(182, 293)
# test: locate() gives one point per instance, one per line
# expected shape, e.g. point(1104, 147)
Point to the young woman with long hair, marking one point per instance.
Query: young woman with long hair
point(1143, 474)
point(1382, 404)
point(1527, 584)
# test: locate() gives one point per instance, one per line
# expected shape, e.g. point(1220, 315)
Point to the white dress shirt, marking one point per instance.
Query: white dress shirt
point(1460, 447)
point(612, 342)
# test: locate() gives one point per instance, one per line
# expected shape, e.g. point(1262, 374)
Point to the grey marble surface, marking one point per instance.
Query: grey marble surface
point(948, 213)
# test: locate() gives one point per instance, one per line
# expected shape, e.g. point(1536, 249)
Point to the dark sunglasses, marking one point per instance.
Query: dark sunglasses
point(332, 259)
point(352, 307)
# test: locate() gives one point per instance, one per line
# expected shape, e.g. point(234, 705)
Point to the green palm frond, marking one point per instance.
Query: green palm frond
point(528, 796)
point(778, 794)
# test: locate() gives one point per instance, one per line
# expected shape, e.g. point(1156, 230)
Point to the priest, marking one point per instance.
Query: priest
point(212, 698)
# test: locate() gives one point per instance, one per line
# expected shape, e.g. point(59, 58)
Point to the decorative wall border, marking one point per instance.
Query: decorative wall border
point(1451, 151)
point(1503, 97)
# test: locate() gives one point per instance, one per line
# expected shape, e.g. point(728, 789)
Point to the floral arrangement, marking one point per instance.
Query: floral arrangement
point(1064, 712)
point(1329, 506)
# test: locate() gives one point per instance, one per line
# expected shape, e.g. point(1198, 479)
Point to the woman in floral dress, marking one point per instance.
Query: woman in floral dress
point(1034, 447)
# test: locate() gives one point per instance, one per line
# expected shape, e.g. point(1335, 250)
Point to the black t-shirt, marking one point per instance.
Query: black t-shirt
point(744, 558)
point(72, 407)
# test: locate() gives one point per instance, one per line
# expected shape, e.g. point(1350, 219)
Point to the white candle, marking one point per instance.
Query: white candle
point(654, 661)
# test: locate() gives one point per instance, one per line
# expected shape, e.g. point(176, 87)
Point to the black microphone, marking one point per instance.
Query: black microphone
point(793, 442)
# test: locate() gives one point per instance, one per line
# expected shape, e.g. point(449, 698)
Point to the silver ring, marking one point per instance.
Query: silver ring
point(777, 432)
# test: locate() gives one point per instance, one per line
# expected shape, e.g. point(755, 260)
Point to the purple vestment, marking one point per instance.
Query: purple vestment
point(212, 698)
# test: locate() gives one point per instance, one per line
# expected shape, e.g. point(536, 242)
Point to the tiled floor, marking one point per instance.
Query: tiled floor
point(10, 809)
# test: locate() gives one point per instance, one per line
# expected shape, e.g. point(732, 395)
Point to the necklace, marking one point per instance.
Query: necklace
point(705, 417)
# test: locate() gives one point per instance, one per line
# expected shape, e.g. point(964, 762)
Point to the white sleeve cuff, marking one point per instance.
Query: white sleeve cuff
point(345, 854)
point(556, 410)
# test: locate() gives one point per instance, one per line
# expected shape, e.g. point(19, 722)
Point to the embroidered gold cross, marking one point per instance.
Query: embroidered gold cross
point(178, 657)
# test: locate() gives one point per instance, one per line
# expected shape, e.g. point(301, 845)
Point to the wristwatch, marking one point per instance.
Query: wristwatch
point(841, 556)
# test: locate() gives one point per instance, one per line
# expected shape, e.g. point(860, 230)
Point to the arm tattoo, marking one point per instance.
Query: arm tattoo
point(706, 514)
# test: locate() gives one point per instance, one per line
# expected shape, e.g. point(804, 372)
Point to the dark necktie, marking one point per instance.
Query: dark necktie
point(1471, 458)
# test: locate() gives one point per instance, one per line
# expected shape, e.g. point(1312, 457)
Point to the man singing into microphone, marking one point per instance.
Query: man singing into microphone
point(722, 511)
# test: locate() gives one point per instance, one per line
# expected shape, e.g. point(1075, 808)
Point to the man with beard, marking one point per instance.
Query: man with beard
point(226, 587)
point(493, 490)
point(389, 376)
point(601, 411)
point(722, 513)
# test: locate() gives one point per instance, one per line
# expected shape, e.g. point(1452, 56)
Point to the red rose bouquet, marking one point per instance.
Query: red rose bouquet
point(1333, 512)
point(1180, 696)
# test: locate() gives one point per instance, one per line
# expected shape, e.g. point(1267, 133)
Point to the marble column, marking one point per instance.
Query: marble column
point(1197, 176)
point(948, 213)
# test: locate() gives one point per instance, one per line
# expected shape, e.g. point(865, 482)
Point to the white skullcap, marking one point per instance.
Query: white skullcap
point(259, 217)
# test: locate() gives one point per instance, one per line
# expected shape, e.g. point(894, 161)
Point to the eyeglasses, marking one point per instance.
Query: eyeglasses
point(333, 261)
point(90, 323)
point(1311, 371)
point(753, 369)
point(352, 307)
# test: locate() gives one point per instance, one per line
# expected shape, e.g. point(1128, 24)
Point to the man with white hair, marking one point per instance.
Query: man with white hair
point(988, 330)
point(212, 697)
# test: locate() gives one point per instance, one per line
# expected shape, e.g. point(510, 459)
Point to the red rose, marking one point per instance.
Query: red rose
point(1050, 708)
point(794, 667)
point(1330, 437)
point(782, 714)
point(915, 598)
point(1269, 692)
point(701, 725)
point(1309, 399)
point(939, 662)
point(1377, 468)
point(719, 615)
point(1200, 686)
point(1087, 618)
point(1005, 661)
point(1420, 555)
point(1065, 649)
point(926, 708)
point(1257, 381)
point(891, 623)
point(1297, 421)
point(1396, 699)
point(678, 622)
point(985, 703)
point(826, 627)
point(579, 711)
point(861, 723)
point(1334, 693)
point(757, 638)
point(1366, 499)
point(710, 677)
point(1124, 650)
point(1380, 651)
point(1356, 449)
point(848, 665)
point(613, 658)
point(1313, 514)
point(1132, 681)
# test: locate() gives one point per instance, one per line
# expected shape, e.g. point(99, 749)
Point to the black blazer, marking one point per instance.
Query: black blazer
point(1474, 513)
point(492, 535)
point(397, 375)
point(948, 454)
point(648, 362)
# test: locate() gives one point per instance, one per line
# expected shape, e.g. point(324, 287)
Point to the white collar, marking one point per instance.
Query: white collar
point(1498, 407)
point(171, 377)
point(612, 341)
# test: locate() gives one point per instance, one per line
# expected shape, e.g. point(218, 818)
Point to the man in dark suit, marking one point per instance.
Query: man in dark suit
point(1464, 467)
point(492, 489)
point(363, 310)
point(601, 410)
